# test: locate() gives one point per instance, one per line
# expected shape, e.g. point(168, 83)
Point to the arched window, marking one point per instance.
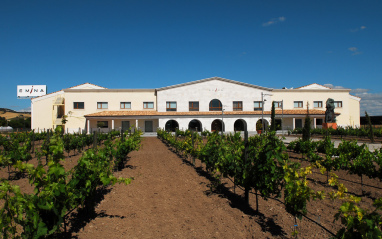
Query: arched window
point(215, 105)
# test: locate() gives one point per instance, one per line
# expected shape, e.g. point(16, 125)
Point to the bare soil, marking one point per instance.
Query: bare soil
point(171, 198)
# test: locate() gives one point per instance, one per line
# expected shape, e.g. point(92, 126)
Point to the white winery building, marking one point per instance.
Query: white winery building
point(208, 104)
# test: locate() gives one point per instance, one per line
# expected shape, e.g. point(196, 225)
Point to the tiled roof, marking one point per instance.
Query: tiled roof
point(191, 113)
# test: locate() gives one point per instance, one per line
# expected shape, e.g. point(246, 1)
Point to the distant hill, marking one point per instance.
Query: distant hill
point(10, 114)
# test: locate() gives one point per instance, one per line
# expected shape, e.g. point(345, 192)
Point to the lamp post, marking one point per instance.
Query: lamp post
point(222, 117)
point(222, 120)
point(282, 117)
point(262, 109)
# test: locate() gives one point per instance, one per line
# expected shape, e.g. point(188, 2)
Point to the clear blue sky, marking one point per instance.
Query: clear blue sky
point(151, 44)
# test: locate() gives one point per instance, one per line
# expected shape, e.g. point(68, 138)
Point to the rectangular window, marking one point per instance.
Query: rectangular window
point(125, 105)
point(101, 105)
point(319, 121)
point(102, 124)
point(171, 106)
point(78, 105)
point(148, 105)
point(193, 106)
point(278, 104)
point(338, 104)
point(317, 104)
point(238, 106)
point(258, 105)
point(298, 104)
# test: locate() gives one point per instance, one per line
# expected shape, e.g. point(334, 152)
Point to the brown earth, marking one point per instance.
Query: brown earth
point(10, 115)
point(171, 198)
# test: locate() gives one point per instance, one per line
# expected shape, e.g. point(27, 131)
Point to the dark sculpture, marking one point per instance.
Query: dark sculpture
point(330, 117)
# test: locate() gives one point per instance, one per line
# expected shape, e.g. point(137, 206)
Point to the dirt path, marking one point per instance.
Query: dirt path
point(170, 198)
point(167, 199)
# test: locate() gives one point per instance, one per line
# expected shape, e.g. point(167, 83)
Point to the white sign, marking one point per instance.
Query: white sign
point(29, 91)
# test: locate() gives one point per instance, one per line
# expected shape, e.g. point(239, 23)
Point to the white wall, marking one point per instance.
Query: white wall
point(206, 91)
point(349, 113)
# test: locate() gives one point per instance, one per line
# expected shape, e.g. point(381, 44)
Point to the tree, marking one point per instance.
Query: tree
point(3, 121)
point(20, 122)
point(273, 115)
point(371, 132)
point(306, 129)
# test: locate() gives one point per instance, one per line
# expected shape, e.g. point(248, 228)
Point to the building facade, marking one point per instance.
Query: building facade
point(208, 104)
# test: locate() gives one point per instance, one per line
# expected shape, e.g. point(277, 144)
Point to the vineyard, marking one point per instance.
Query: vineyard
point(204, 186)
point(261, 164)
point(56, 190)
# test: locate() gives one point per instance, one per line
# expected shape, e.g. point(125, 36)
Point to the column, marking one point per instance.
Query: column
point(136, 124)
point(88, 127)
point(294, 123)
point(314, 123)
point(112, 124)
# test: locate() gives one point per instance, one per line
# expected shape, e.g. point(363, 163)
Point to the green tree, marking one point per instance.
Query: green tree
point(273, 115)
point(3, 121)
point(306, 129)
point(371, 132)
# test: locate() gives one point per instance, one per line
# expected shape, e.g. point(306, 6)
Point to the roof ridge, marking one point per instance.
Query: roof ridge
point(213, 78)
point(312, 84)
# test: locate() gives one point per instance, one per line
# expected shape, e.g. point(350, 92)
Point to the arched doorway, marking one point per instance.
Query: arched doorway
point(240, 125)
point(259, 124)
point(217, 125)
point(215, 105)
point(171, 125)
point(195, 125)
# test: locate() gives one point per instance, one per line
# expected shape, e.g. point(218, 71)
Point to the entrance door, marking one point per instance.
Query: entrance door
point(148, 126)
point(125, 125)
point(298, 123)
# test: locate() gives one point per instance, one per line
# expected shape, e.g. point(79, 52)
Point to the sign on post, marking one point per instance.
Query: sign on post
point(30, 91)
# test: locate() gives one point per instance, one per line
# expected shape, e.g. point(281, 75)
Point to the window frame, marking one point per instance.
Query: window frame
point(145, 104)
point(239, 106)
point(319, 104)
point(298, 104)
point(77, 107)
point(102, 104)
point(191, 106)
point(257, 108)
point(170, 107)
point(277, 104)
point(124, 105)
point(338, 104)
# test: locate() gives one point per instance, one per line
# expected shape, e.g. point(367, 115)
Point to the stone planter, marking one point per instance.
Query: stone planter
point(329, 125)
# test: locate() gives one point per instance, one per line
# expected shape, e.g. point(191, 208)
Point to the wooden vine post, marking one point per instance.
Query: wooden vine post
point(32, 151)
point(95, 140)
point(246, 193)
point(193, 147)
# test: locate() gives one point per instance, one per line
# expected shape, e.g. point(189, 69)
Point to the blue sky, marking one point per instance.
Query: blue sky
point(152, 44)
